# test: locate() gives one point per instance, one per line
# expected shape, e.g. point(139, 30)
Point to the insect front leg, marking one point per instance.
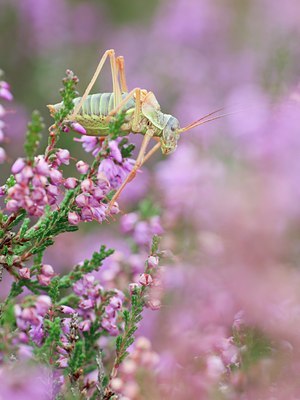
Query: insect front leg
point(138, 163)
point(114, 72)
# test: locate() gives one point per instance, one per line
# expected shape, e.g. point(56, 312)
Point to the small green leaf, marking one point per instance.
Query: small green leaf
point(33, 135)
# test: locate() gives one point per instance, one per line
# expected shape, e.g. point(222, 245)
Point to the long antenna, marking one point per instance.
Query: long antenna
point(203, 119)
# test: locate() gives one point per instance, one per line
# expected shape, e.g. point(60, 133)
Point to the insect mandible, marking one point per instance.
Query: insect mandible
point(142, 113)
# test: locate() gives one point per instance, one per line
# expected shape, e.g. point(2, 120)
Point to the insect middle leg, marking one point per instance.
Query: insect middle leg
point(136, 92)
point(114, 72)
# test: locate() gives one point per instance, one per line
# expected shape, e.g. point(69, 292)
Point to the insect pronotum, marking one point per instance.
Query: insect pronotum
point(142, 115)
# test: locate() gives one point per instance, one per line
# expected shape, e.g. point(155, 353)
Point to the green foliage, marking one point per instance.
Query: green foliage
point(86, 267)
point(33, 135)
point(115, 126)
point(68, 94)
point(126, 149)
point(45, 353)
point(10, 182)
point(131, 319)
point(78, 357)
point(255, 343)
point(8, 316)
point(155, 244)
point(148, 209)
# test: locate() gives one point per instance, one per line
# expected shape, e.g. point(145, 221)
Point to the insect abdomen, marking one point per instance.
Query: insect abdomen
point(101, 104)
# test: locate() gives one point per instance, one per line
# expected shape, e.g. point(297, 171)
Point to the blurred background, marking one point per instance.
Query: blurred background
point(230, 193)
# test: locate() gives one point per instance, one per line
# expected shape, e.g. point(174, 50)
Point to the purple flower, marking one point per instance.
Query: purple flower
point(89, 143)
point(63, 156)
point(18, 165)
point(70, 183)
point(56, 176)
point(82, 167)
point(115, 151)
point(5, 93)
point(24, 273)
point(73, 218)
point(78, 128)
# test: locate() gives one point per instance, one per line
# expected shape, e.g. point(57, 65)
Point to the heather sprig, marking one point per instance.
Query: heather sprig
point(57, 319)
point(138, 300)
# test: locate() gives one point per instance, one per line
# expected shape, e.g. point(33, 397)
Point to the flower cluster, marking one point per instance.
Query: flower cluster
point(5, 94)
point(37, 183)
point(94, 300)
point(30, 319)
point(92, 203)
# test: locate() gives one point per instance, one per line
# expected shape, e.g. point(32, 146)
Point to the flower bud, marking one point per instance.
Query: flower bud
point(56, 176)
point(24, 273)
point(78, 128)
point(18, 165)
point(145, 280)
point(152, 261)
point(82, 167)
point(63, 156)
point(70, 183)
point(73, 218)
point(87, 185)
point(47, 270)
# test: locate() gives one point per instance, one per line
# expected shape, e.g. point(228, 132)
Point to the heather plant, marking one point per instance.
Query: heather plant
point(73, 329)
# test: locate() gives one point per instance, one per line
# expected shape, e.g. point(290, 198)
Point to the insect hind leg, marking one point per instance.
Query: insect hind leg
point(114, 72)
point(121, 71)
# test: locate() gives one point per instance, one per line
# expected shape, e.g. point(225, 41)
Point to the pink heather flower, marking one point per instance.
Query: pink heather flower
point(2, 190)
point(89, 143)
point(62, 362)
point(152, 261)
point(145, 280)
point(109, 326)
point(70, 183)
point(12, 205)
point(115, 151)
point(41, 165)
point(2, 155)
point(24, 175)
point(18, 165)
point(86, 304)
point(85, 325)
point(44, 280)
point(108, 168)
point(87, 185)
point(133, 287)
point(114, 209)
point(82, 200)
point(43, 304)
point(5, 94)
point(82, 167)
point(67, 310)
point(73, 218)
point(56, 176)
point(78, 128)
point(47, 270)
point(63, 156)
point(24, 273)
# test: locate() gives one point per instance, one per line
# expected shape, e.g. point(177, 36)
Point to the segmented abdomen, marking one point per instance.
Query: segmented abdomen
point(101, 104)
